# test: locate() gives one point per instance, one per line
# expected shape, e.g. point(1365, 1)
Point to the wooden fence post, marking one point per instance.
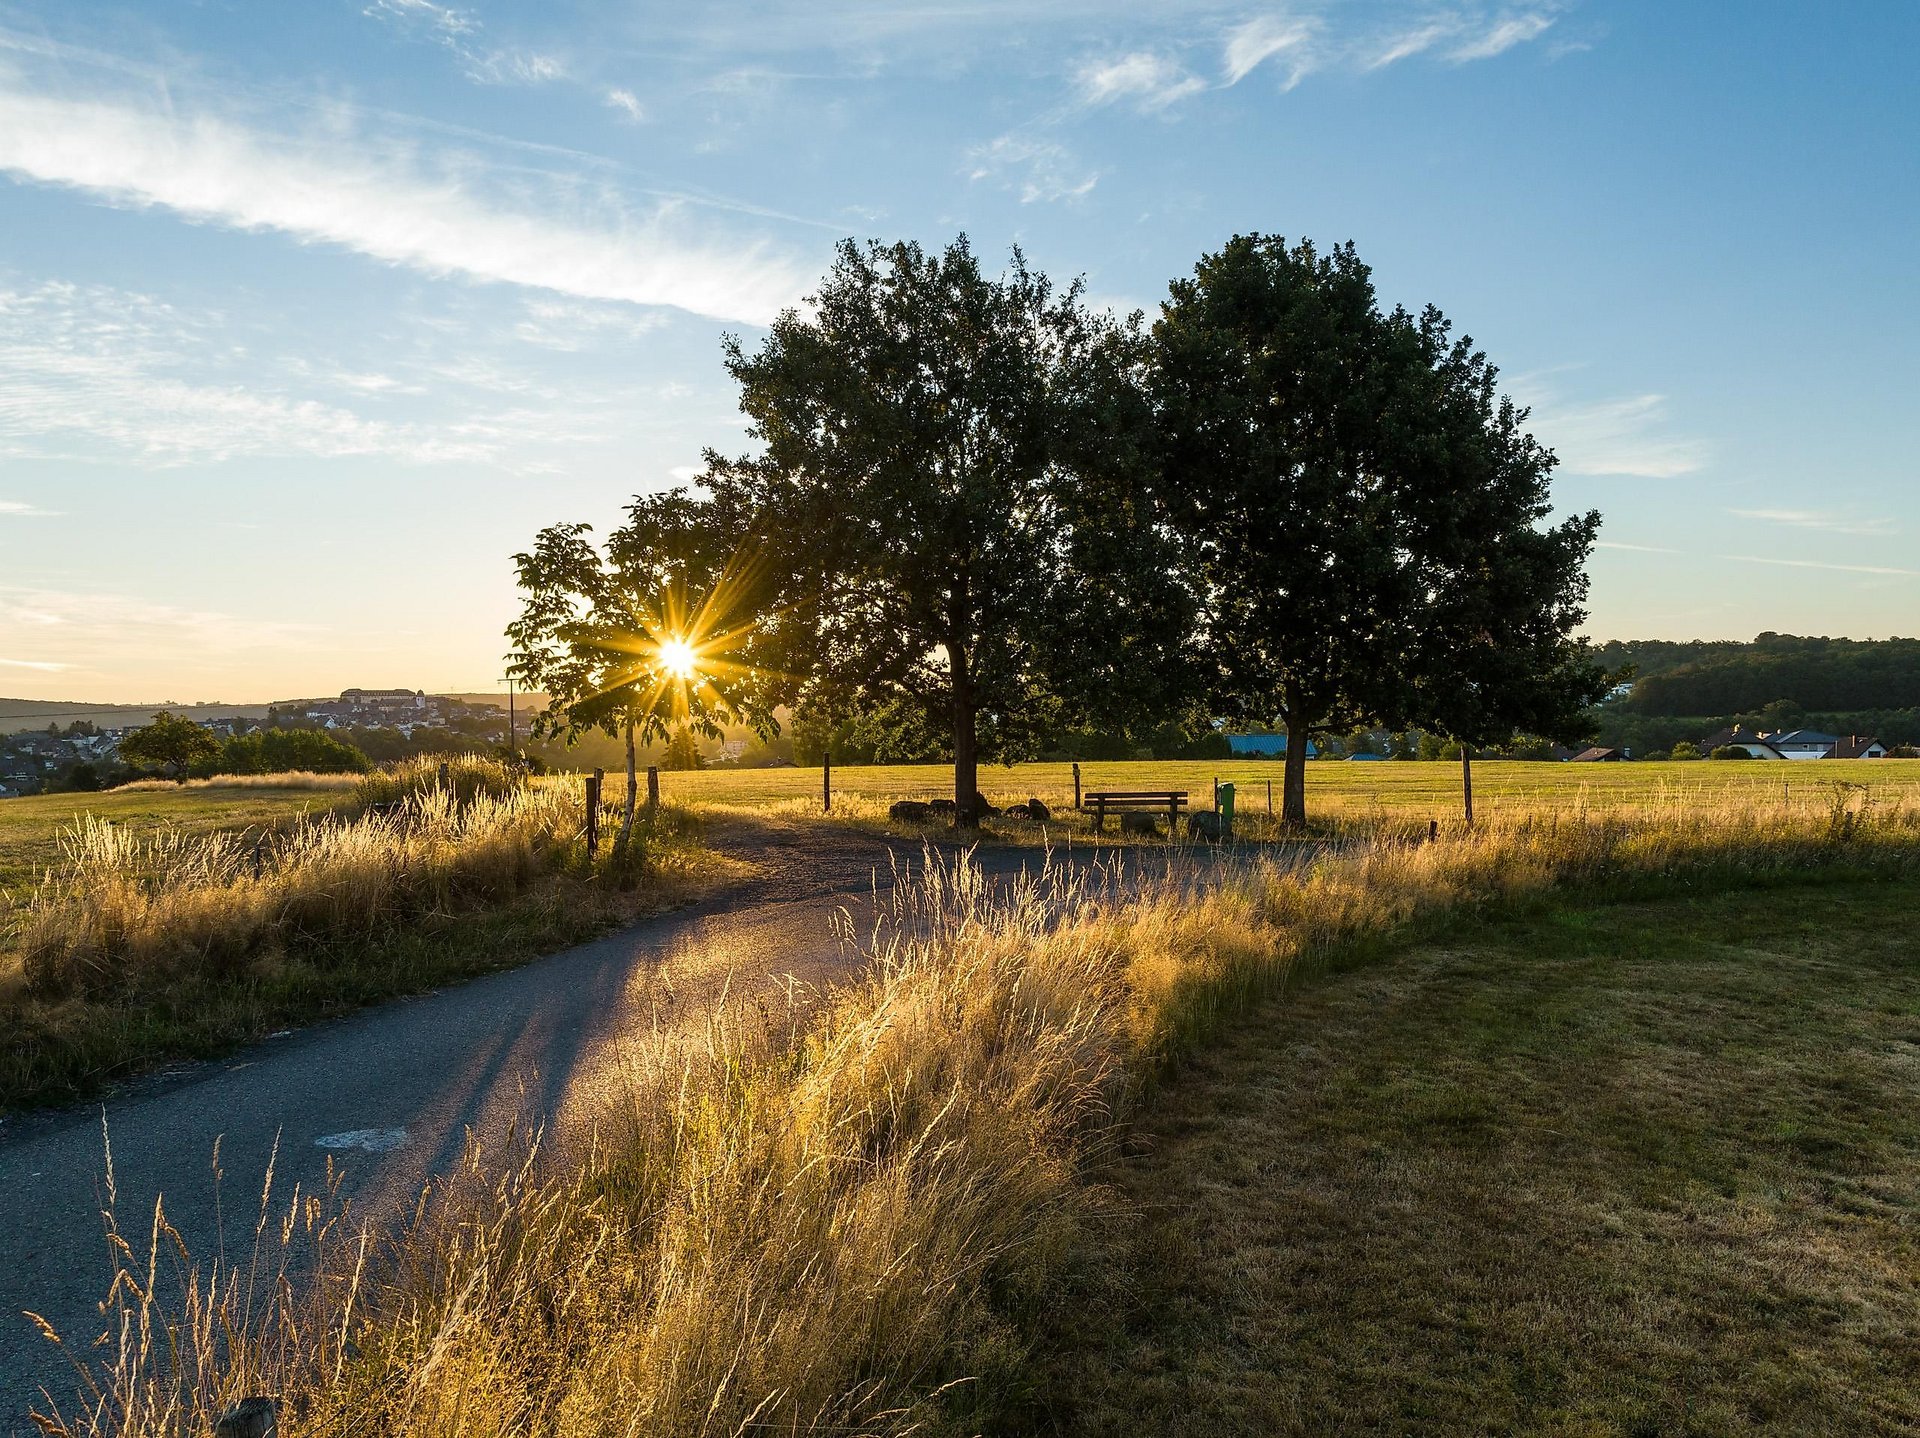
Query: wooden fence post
point(1076, 785)
point(826, 783)
point(446, 775)
point(653, 790)
point(1269, 798)
point(593, 812)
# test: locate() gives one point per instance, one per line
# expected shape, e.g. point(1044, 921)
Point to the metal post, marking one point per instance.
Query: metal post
point(653, 789)
point(826, 783)
point(593, 813)
point(1076, 784)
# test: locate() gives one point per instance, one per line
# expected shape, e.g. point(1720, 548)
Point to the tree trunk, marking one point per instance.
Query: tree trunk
point(1293, 802)
point(633, 784)
point(1466, 779)
point(966, 745)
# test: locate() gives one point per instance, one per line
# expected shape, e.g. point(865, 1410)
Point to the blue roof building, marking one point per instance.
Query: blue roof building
point(1263, 746)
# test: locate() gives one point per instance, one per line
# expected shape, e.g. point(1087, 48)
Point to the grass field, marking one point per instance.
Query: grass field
point(1644, 1168)
point(1337, 792)
point(162, 932)
point(1533, 1161)
point(30, 828)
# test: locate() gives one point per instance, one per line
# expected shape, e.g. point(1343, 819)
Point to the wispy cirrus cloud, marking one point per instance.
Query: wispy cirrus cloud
point(1826, 521)
point(462, 33)
point(626, 103)
point(1300, 43)
point(20, 509)
point(1631, 435)
point(1500, 37)
point(1145, 79)
point(92, 372)
point(1040, 169)
point(1286, 38)
point(442, 211)
point(81, 632)
point(1881, 570)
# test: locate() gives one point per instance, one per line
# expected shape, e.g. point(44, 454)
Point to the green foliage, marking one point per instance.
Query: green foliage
point(954, 483)
point(683, 752)
point(1730, 751)
point(1361, 511)
point(1798, 675)
point(1685, 749)
point(284, 751)
point(171, 745)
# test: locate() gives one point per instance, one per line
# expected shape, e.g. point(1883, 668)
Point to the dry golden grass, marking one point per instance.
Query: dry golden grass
point(852, 1213)
point(143, 944)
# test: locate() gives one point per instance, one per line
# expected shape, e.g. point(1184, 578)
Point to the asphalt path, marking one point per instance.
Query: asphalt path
point(390, 1094)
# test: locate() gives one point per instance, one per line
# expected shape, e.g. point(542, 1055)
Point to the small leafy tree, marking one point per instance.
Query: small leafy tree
point(1685, 749)
point(650, 636)
point(171, 744)
point(683, 751)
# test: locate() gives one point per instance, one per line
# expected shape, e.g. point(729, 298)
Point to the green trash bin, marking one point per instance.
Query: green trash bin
point(1226, 810)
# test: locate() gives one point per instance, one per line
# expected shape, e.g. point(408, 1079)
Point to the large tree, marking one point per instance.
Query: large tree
point(1351, 493)
point(955, 472)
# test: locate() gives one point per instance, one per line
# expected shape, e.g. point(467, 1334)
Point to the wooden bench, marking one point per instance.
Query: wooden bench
point(1101, 800)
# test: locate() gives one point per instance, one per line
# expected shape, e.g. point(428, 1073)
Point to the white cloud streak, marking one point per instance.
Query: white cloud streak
point(94, 633)
point(382, 200)
point(1819, 519)
point(20, 509)
point(627, 103)
point(1502, 37)
point(1147, 80)
point(1627, 436)
point(1253, 44)
point(1042, 170)
point(91, 373)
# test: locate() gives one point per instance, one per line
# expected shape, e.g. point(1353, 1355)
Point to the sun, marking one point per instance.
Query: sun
point(679, 658)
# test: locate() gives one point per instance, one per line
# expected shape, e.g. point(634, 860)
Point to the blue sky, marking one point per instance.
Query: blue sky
point(312, 313)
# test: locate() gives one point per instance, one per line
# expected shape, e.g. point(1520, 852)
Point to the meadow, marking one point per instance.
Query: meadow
point(1336, 790)
point(1555, 1078)
point(176, 922)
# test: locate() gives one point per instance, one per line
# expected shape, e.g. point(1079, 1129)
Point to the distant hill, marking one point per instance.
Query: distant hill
point(19, 715)
point(1687, 690)
point(1724, 677)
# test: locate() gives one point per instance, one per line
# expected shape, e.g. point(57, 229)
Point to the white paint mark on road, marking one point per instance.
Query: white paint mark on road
point(373, 1140)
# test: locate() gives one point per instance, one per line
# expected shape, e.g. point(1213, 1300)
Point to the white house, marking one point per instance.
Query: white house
point(1803, 743)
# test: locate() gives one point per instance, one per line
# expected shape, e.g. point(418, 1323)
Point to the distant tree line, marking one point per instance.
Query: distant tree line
point(1685, 690)
point(985, 521)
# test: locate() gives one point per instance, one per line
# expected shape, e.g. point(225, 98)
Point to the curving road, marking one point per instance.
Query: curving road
point(390, 1093)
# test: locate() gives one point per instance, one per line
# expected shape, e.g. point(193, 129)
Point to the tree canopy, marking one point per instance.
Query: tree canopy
point(953, 476)
point(171, 744)
point(1359, 508)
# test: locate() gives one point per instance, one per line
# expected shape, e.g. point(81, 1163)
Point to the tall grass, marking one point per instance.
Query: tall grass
point(129, 908)
point(848, 1212)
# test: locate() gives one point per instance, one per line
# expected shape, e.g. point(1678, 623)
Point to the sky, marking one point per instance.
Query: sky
point(313, 313)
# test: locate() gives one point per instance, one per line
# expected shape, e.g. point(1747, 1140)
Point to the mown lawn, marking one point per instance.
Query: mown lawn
point(1650, 1168)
